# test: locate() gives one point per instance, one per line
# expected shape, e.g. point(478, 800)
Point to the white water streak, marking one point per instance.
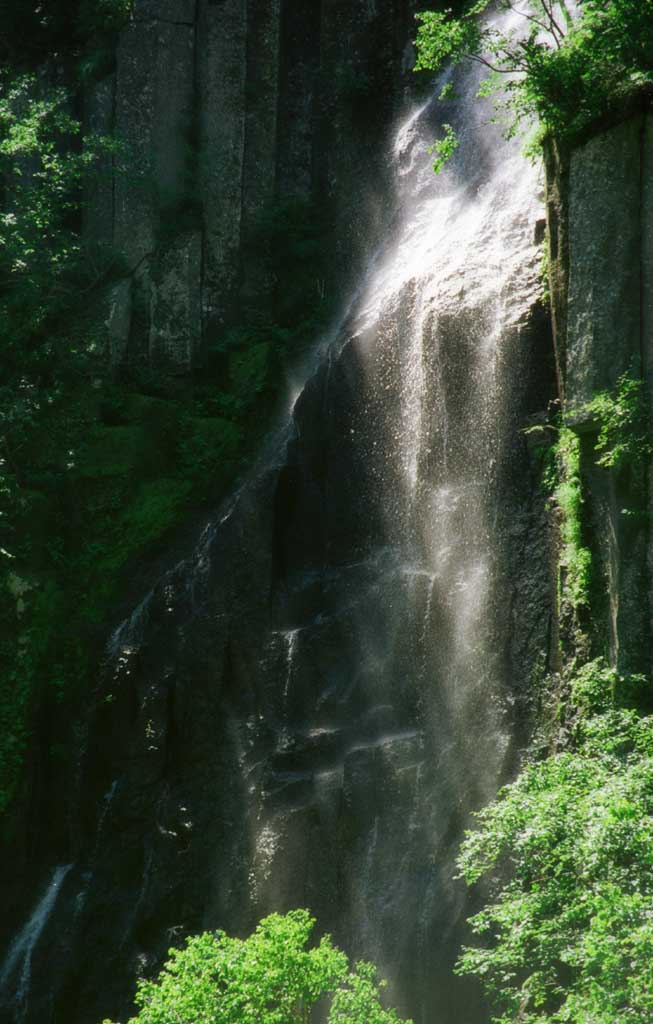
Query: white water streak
point(18, 963)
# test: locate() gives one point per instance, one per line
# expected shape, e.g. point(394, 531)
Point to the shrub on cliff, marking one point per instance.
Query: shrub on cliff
point(567, 852)
point(269, 978)
point(42, 170)
point(563, 64)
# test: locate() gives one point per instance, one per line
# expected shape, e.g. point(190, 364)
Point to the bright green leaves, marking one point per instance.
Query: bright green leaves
point(620, 419)
point(576, 558)
point(596, 688)
point(442, 37)
point(444, 148)
point(563, 69)
point(621, 415)
point(358, 1000)
point(269, 978)
point(567, 853)
point(43, 173)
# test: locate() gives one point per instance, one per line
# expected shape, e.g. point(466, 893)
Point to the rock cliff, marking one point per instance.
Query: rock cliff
point(600, 196)
point(307, 709)
point(223, 107)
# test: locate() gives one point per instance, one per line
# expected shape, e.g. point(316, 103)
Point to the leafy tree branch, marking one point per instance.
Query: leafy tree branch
point(273, 977)
point(562, 68)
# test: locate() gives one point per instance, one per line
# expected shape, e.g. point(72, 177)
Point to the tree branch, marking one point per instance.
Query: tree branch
point(566, 13)
point(548, 8)
point(550, 28)
point(488, 64)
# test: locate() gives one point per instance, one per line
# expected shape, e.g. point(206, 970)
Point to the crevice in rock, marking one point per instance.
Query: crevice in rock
point(642, 247)
point(114, 169)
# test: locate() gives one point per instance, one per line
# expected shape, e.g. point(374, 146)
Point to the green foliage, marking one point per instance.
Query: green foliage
point(210, 449)
point(444, 148)
point(622, 417)
point(567, 853)
point(45, 359)
point(92, 480)
point(357, 1001)
point(290, 235)
point(41, 269)
point(564, 69)
point(596, 688)
point(95, 473)
point(272, 977)
point(248, 361)
point(576, 558)
point(155, 508)
point(248, 371)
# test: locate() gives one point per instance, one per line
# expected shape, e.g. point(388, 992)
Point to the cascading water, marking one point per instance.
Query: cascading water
point(17, 967)
point(307, 710)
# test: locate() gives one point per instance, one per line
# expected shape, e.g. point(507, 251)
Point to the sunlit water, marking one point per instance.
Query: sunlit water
point(391, 716)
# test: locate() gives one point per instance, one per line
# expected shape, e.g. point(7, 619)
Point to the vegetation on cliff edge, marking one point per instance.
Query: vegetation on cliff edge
point(566, 933)
point(269, 978)
point(558, 64)
point(99, 464)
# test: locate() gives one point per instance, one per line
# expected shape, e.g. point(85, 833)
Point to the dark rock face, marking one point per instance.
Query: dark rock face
point(222, 109)
point(271, 734)
point(306, 710)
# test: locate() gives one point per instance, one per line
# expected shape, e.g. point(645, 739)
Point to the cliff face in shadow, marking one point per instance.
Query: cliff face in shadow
point(307, 709)
point(279, 724)
point(224, 109)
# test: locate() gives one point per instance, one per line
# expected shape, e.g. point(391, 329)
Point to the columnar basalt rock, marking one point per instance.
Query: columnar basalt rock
point(98, 205)
point(603, 304)
point(222, 109)
point(222, 70)
point(647, 320)
point(306, 709)
point(600, 196)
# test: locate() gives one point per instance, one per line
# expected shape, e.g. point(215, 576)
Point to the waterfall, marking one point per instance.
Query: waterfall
point(307, 710)
point(18, 963)
point(418, 729)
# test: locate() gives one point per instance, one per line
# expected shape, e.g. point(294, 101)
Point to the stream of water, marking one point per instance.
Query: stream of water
point(356, 622)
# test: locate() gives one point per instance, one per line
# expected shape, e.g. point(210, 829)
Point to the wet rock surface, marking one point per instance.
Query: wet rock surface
point(277, 725)
point(307, 709)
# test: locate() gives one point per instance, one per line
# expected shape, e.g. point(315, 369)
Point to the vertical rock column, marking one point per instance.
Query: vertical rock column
point(154, 119)
point(98, 212)
point(607, 316)
point(647, 318)
point(361, 70)
point(97, 208)
point(224, 107)
point(603, 328)
point(300, 46)
point(260, 153)
point(222, 70)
